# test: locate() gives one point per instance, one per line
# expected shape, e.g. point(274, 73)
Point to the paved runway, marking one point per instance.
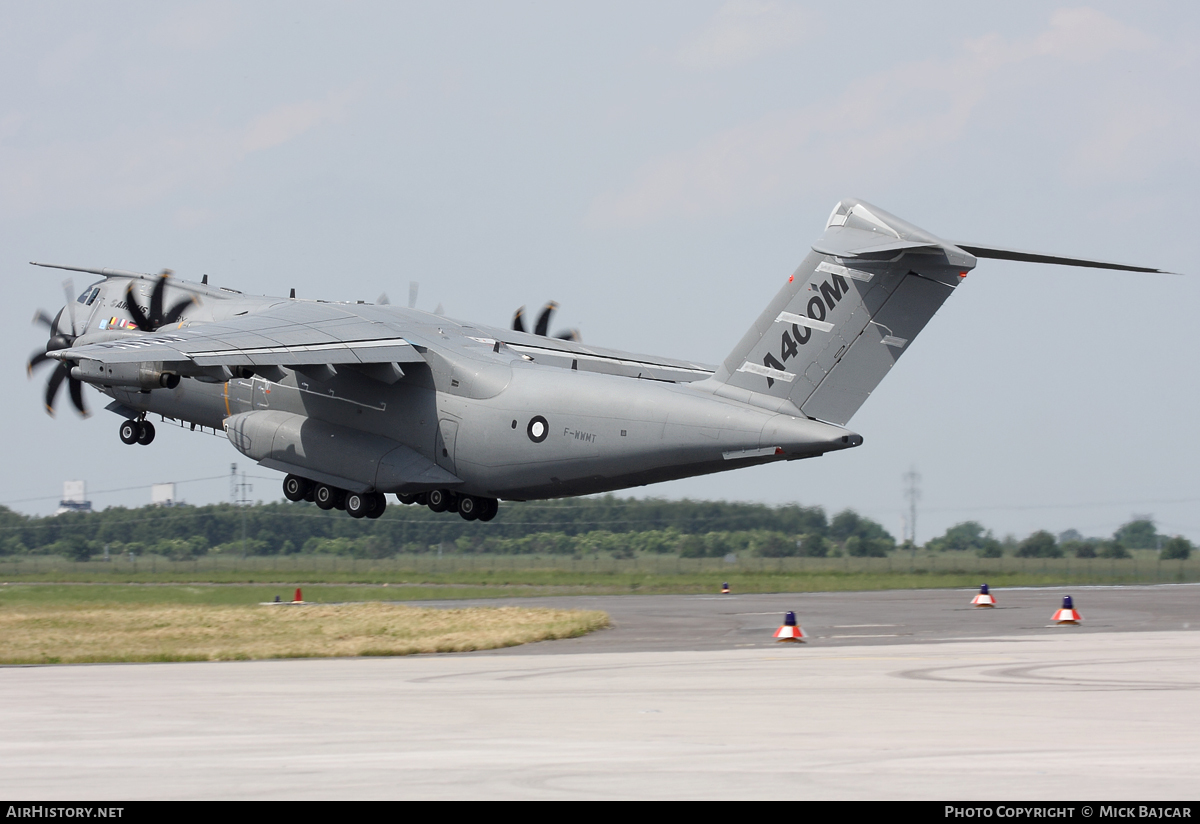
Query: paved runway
point(711, 622)
point(899, 695)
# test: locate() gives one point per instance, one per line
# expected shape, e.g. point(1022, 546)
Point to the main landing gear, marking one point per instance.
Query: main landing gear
point(356, 504)
point(373, 504)
point(469, 507)
point(133, 431)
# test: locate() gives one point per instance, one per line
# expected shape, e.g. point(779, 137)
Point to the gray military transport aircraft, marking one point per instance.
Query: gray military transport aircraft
point(355, 400)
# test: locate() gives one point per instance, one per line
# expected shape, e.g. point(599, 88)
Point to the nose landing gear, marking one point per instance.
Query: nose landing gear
point(136, 431)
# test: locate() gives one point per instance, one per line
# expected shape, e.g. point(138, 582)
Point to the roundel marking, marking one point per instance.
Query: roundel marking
point(538, 429)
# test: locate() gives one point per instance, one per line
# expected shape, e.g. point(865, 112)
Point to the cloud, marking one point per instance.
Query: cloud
point(742, 30)
point(138, 164)
point(61, 65)
point(876, 126)
point(1085, 35)
point(288, 122)
point(189, 217)
point(197, 27)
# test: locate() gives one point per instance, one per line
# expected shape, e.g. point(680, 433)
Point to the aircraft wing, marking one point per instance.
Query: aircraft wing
point(574, 355)
point(302, 333)
point(287, 334)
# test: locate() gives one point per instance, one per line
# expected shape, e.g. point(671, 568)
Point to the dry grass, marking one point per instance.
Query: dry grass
point(90, 633)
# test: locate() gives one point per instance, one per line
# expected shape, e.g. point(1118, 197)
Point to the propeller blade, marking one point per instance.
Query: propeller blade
point(76, 388)
point(382, 300)
point(413, 286)
point(35, 360)
point(518, 323)
point(69, 291)
point(543, 321)
point(56, 379)
point(569, 334)
point(156, 298)
point(42, 318)
point(135, 311)
point(440, 310)
point(177, 311)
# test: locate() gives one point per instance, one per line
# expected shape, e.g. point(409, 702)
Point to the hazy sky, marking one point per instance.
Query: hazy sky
point(659, 169)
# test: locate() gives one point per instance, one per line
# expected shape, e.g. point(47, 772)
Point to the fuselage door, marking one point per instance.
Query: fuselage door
point(444, 446)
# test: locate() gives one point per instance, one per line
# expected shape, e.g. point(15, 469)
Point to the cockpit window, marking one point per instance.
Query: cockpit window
point(89, 295)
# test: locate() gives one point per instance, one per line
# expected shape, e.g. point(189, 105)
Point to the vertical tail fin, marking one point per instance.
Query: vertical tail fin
point(832, 333)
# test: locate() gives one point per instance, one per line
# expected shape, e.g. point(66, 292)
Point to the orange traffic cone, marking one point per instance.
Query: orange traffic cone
point(984, 598)
point(299, 599)
point(790, 631)
point(1068, 614)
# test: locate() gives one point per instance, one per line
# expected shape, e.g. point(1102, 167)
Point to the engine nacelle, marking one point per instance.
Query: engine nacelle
point(146, 375)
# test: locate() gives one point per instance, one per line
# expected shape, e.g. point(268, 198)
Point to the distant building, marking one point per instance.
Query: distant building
point(74, 498)
point(163, 495)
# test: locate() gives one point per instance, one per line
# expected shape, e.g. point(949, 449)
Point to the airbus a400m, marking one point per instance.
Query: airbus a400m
point(354, 400)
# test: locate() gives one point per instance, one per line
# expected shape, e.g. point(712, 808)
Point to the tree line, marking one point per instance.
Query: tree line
point(573, 526)
point(1139, 533)
point(621, 527)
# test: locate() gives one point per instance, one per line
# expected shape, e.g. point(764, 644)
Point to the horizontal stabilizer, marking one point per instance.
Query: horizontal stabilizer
point(997, 253)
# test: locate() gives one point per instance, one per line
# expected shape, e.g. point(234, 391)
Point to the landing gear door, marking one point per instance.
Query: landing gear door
point(444, 446)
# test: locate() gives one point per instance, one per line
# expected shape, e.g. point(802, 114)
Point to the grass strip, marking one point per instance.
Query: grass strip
point(406, 585)
point(104, 632)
